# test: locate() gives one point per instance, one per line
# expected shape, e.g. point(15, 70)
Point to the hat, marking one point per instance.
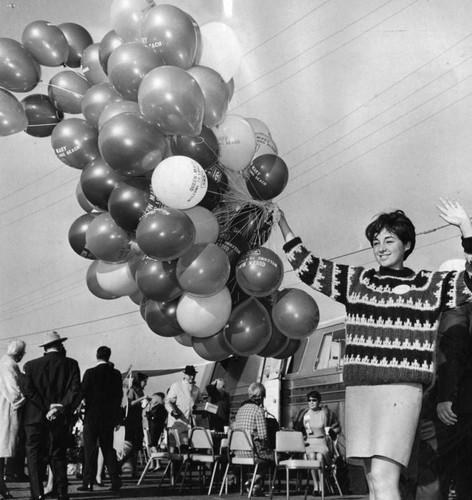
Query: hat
point(52, 338)
point(190, 370)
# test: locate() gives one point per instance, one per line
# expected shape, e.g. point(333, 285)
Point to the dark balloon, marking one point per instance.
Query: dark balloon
point(83, 202)
point(66, 90)
point(116, 108)
point(213, 195)
point(267, 177)
point(46, 43)
point(289, 351)
point(42, 115)
point(157, 280)
point(128, 202)
point(75, 142)
point(131, 145)
point(218, 173)
point(77, 233)
point(91, 66)
point(129, 64)
point(165, 233)
point(212, 348)
point(98, 180)
point(170, 32)
point(202, 148)
point(78, 39)
point(234, 245)
point(249, 328)
point(12, 114)
point(277, 344)
point(96, 99)
point(161, 318)
point(295, 313)
point(107, 45)
point(19, 72)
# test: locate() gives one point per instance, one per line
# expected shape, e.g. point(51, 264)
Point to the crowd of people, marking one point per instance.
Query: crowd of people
point(408, 401)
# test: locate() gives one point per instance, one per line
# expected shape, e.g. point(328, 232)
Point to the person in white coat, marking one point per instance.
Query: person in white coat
point(180, 401)
point(11, 401)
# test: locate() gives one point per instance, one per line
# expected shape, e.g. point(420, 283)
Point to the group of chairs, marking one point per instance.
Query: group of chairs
point(200, 456)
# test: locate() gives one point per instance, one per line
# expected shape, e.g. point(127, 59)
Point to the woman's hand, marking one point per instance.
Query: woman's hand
point(453, 213)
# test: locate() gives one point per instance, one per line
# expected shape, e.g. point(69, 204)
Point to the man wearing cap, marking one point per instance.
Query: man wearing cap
point(180, 401)
point(52, 390)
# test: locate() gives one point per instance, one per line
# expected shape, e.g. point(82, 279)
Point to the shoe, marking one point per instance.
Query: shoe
point(85, 487)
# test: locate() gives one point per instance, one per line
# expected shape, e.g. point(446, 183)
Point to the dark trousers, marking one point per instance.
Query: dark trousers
point(47, 442)
point(99, 434)
point(445, 456)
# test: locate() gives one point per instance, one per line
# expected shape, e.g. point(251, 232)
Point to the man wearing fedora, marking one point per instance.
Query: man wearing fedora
point(52, 390)
point(180, 401)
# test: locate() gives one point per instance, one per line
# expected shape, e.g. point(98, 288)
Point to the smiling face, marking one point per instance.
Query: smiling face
point(389, 250)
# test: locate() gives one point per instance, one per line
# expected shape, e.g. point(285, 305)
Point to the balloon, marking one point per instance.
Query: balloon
point(234, 245)
point(107, 45)
point(83, 202)
point(41, 114)
point(161, 318)
point(204, 316)
point(254, 223)
point(94, 286)
point(217, 173)
point(128, 65)
point(172, 99)
point(277, 344)
point(184, 339)
point(264, 142)
point(221, 49)
point(452, 265)
point(165, 233)
point(75, 142)
point(12, 114)
point(179, 182)
point(203, 270)
point(66, 90)
point(98, 181)
point(260, 272)
point(289, 351)
point(236, 142)
point(116, 278)
point(249, 328)
point(169, 31)
point(295, 313)
point(77, 233)
point(128, 202)
point(157, 280)
point(96, 99)
point(230, 89)
point(212, 348)
point(127, 16)
point(215, 94)
point(46, 43)
point(268, 176)
point(130, 145)
point(212, 197)
point(116, 108)
point(78, 39)
point(19, 72)
point(206, 224)
point(106, 240)
point(91, 65)
point(202, 148)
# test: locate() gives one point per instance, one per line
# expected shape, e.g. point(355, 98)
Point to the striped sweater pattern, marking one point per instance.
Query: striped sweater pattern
point(391, 316)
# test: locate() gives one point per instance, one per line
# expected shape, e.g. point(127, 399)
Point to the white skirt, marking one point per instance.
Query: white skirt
point(381, 420)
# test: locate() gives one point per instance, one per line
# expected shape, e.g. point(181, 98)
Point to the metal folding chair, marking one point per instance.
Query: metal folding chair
point(176, 456)
point(151, 455)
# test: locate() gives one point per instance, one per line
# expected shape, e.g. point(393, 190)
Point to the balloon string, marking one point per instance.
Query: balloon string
point(65, 90)
point(75, 71)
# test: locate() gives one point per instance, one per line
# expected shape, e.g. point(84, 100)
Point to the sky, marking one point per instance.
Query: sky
point(369, 104)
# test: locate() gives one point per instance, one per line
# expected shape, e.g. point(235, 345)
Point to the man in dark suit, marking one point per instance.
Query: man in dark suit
point(102, 390)
point(52, 390)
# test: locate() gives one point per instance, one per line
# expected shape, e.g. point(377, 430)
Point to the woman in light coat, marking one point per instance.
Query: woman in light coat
point(11, 401)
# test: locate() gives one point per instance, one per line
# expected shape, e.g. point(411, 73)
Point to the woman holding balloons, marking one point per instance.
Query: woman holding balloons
point(392, 318)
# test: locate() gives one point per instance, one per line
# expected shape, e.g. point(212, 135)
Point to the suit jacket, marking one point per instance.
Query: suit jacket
point(53, 378)
point(102, 390)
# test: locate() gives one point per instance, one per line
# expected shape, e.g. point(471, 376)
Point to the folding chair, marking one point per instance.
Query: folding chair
point(201, 452)
point(291, 443)
point(151, 455)
point(240, 441)
point(175, 456)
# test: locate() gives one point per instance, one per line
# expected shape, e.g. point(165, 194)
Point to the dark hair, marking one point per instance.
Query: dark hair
point(314, 395)
point(103, 353)
point(160, 394)
point(394, 222)
point(138, 378)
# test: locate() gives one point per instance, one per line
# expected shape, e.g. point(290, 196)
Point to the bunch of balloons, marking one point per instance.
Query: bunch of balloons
point(177, 192)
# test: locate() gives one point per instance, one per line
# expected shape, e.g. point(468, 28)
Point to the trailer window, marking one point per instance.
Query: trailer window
point(330, 353)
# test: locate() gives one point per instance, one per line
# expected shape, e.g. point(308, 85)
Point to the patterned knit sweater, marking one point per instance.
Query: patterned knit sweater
point(391, 316)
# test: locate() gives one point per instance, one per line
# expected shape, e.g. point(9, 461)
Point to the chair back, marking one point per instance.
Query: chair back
point(173, 439)
point(200, 439)
point(239, 440)
point(291, 442)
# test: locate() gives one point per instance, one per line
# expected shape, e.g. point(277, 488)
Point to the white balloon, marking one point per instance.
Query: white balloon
point(179, 182)
point(453, 265)
point(265, 145)
point(221, 49)
point(116, 279)
point(206, 224)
